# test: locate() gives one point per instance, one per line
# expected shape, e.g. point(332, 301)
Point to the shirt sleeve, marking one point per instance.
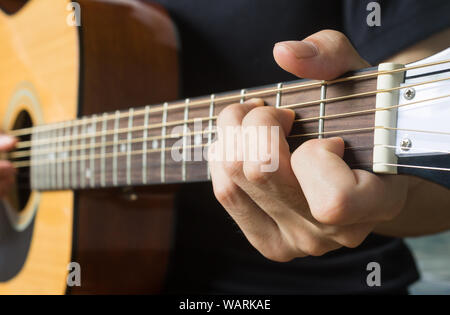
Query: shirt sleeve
point(403, 23)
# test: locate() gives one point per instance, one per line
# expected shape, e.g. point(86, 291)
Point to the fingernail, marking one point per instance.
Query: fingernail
point(6, 140)
point(289, 112)
point(301, 49)
point(255, 101)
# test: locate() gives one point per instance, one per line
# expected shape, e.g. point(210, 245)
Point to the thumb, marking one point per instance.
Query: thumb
point(325, 55)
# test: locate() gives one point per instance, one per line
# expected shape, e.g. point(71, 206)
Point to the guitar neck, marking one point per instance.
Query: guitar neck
point(167, 143)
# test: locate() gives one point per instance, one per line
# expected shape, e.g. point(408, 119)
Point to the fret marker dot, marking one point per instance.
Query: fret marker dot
point(155, 144)
point(88, 173)
point(123, 147)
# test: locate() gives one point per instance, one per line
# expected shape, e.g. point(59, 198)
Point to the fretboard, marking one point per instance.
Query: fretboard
point(166, 143)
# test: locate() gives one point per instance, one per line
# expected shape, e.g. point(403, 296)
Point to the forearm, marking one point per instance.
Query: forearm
point(427, 211)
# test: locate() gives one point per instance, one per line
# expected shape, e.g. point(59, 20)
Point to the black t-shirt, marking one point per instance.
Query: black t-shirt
point(227, 45)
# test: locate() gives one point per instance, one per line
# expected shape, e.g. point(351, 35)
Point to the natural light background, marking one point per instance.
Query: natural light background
point(433, 259)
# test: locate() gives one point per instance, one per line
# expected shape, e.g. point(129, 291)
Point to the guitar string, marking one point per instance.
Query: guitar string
point(406, 149)
point(22, 154)
point(430, 168)
point(65, 148)
point(423, 150)
point(27, 144)
point(351, 165)
point(27, 163)
point(28, 131)
point(369, 111)
point(416, 167)
point(314, 134)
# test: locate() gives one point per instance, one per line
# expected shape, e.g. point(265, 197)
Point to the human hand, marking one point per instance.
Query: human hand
point(313, 203)
point(7, 171)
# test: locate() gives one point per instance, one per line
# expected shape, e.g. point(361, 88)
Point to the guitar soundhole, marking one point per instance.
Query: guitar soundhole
point(23, 185)
point(12, 6)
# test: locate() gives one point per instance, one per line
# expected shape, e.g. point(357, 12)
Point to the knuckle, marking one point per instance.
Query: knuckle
point(261, 111)
point(225, 194)
point(254, 174)
point(308, 244)
point(351, 240)
point(307, 149)
point(258, 115)
point(312, 246)
point(333, 209)
point(232, 168)
point(336, 37)
point(340, 37)
point(281, 255)
point(310, 147)
point(230, 113)
point(276, 249)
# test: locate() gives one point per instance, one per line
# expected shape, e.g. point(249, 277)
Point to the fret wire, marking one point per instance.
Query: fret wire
point(83, 152)
point(116, 138)
point(374, 110)
point(292, 136)
point(98, 156)
point(41, 152)
point(41, 170)
point(74, 161)
point(243, 93)
point(163, 144)
point(59, 165)
point(405, 104)
point(291, 106)
point(34, 170)
point(323, 96)
point(123, 130)
point(103, 153)
point(67, 130)
point(54, 134)
point(130, 125)
point(260, 93)
point(92, 162)
point(48, 165)
point(348, 148)
point(144, 146)
point(210, 127)
point(185, 131)
point(278, 99)
point(111, 143)
point(301, 135)
point(363, 94)
point(46, 181)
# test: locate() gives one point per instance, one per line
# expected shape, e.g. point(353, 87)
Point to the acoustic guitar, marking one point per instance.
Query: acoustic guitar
point(96, 173)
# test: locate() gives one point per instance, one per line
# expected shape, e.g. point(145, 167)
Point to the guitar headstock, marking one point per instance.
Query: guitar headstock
point(423, 120)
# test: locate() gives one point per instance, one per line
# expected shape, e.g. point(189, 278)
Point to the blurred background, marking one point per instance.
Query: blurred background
point(432, 254)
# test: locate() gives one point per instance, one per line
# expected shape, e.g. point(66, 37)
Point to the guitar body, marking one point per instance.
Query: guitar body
point(50, 72)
